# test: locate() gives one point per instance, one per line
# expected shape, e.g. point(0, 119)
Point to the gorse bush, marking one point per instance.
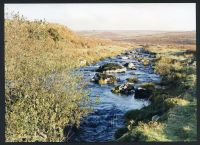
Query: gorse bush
point(163, 66)
point(41, 114)
point(43, 95)
point(34, 113)
point(54, 33)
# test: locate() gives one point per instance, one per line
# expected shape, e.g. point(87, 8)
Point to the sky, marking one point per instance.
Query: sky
point(141, 16)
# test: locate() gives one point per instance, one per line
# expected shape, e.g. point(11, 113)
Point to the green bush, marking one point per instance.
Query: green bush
point(36, 109)
point(54, 33)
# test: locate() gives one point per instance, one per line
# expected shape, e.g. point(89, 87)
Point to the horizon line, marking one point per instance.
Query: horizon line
point(133, 30)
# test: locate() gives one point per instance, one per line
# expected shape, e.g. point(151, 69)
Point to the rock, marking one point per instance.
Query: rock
point(116, 71)
point(111, 67)
point(155, 118)
point(149, 86)
point(126, 89)
point(140, 50)
point(127, 53)
point(142, 93)
point(124, 57)
point(152, 56)
point(102, 78)
point(130, 57)
point(194, 63)
point(83, 62)
point(132, 80)
point(130, 65)
point(145, 61)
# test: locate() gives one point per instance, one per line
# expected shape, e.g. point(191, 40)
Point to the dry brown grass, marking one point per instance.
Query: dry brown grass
point(161, 40)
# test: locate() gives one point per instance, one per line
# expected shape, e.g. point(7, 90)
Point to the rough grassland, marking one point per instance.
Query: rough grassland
point(175, 102)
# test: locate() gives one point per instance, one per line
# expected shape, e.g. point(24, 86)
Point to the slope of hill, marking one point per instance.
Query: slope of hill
point(145, 37)
point(39, 58)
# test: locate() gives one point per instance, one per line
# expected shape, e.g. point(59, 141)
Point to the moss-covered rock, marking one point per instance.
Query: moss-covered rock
point(111, 67)
point(126, 89)
point(132, 80)
point(130, 66)
point(102, 78)
point(150, 86)
point(142, 93)
point(145, 61)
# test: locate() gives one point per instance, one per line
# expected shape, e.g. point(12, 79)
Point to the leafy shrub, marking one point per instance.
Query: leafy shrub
point(54, 33)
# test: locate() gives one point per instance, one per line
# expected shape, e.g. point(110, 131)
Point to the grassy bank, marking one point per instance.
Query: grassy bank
point(171, 116)
point(42, 94)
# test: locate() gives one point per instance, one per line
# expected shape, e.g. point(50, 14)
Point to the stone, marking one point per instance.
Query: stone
point(126, 89)
point(155, 118)
point(145, 61)
point(130, 66)
point(102, 78)
point(124, 57)
point(149, 86)
point(111, 68)
point(132, 80)
point(83, 62)
point(142, 93)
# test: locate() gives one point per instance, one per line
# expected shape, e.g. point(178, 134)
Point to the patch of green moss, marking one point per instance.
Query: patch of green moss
point(109, 66)
point(132, 80)
point(150, 86)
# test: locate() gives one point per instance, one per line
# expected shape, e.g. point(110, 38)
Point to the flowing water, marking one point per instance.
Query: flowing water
point(100, 125)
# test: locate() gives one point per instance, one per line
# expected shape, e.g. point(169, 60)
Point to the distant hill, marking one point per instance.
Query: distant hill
point(145, 37)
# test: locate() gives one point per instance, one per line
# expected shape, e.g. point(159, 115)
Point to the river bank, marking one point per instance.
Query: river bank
point(171, 116)
point(101, 125)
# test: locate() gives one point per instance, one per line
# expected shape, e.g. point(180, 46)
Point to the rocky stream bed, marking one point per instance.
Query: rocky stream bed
point(108, 79)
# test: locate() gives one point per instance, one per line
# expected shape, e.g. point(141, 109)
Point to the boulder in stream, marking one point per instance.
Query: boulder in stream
point(102, 78)
point(149, 86)
point(145, 61)
point(83, 62)
point(130, 65)
point(155, 118)
point(126, 89)
point(132, 80)
point(111, 68)
point(124, 57)
point(142, 93)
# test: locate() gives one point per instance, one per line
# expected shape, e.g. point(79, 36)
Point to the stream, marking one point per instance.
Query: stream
point(101, 125)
